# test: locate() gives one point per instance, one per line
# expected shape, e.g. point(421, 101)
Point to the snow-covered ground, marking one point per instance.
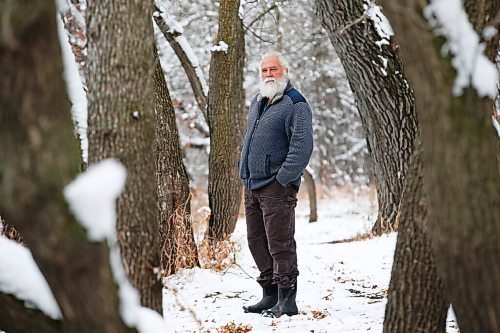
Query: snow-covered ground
point(344, 282)
point(341, 288)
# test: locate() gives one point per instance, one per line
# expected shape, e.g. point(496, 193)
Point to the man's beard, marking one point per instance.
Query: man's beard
point(270, 87)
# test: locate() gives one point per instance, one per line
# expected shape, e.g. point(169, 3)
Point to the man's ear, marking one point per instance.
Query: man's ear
point(285, 70)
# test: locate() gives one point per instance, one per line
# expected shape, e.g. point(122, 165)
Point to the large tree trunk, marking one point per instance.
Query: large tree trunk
point(386, 105)
point(226, 119)
point(40, 155)
point(417, 301)
point(384, 101)
point(121, 125)
point(178, 249)
point(461, 172)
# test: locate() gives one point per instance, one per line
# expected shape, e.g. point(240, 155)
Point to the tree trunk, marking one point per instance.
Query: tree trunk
point(417, 301)
point(384, 101)
point(40, 156)
point(15, 317)
point(386, 104)
point(8, 231)
point(192, 72)
point(122, 124)
point(226, 119)
point(311, 189)
point(461, 172)
point(178, 249)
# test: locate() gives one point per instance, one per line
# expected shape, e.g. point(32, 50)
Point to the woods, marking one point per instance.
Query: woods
point(403, 107)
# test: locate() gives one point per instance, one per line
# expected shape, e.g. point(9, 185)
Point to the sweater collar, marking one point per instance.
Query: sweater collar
point(276, 97)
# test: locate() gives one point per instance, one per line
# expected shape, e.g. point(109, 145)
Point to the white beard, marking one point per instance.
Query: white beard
point(271, 87)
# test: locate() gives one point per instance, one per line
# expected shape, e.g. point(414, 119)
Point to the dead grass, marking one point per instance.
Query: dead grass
point(232, 327)
point(358, 237)
point(218, 255)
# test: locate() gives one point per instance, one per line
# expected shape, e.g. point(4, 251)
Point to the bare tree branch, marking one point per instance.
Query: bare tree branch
point(189, 68)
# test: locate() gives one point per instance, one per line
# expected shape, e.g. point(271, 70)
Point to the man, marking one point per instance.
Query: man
point(276, 149)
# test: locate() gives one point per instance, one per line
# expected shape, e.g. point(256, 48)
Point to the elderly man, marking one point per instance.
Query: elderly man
point(277, 147)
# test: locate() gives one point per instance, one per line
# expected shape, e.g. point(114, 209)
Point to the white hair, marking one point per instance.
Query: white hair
point(281, 58)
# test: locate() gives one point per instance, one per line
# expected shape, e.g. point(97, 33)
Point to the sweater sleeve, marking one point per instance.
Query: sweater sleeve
point(300, 147)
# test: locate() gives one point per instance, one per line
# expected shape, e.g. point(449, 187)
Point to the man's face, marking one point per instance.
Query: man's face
point(271, 69)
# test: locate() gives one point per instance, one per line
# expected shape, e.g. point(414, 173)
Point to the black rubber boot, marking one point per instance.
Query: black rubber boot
point(269, 298)
point(285, 305)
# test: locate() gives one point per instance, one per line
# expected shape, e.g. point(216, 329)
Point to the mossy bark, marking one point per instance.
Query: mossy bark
point(461, 175)
point(40, 156)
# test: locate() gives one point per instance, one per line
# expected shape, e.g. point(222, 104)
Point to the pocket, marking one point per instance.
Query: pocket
point(291, 196)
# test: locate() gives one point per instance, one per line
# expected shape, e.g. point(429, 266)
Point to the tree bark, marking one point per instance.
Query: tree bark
point(311, 190)
point(384, 101)
point(40, 156)
point(417, 301)
point(225, 120)
point(15, 317)
point(8, 231)
point(461, 172)
point(191, 71)
point(178, 249)
point(122, 124)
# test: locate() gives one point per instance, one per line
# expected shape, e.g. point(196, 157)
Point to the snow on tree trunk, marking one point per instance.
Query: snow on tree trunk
point(461, 175)
point(40, 155)
point(383, 98)
point(387, 108)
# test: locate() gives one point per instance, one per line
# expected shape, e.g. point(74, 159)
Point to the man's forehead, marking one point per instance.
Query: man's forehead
point(270, 61)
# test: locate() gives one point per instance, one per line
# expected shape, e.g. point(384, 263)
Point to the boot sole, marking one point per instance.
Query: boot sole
point(247, 310)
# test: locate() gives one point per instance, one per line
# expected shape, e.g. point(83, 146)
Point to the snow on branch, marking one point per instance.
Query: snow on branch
point(92, 199)
point(21, 277)
point(380, 22)
point(473, 68)
point(172, 31)
point(221, 47)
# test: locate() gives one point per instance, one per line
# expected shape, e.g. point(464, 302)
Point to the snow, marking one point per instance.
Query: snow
point(76, 92)
point(496, 124)
point(450, 20)
point(92, 196)
point(20, 276)
point(177, 30)
point(221, 47)
point(380, 22)
point(346, 281)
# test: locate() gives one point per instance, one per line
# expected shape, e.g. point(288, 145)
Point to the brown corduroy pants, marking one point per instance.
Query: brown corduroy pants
point(270, 216)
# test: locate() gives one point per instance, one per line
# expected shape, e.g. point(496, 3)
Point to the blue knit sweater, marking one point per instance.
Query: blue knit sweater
point(278, 142)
